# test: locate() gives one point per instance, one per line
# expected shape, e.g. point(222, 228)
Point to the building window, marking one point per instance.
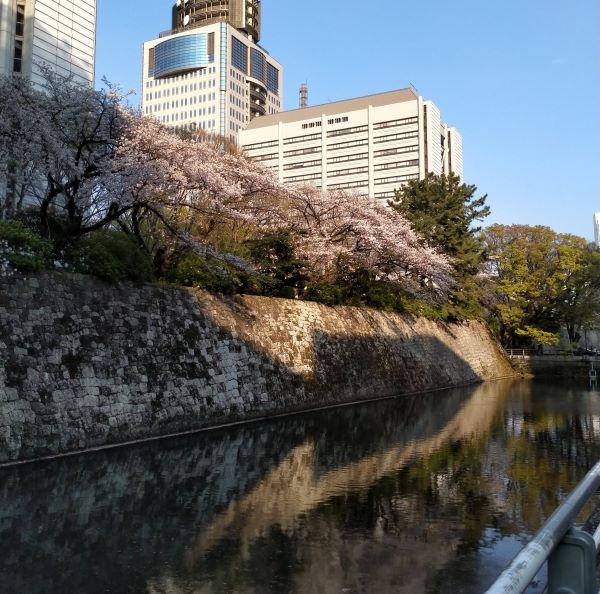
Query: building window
point(306, 177)
point(258, 65)
point(272, 79)
point(395, 179)
point(311, 125)
point(337, 120)
point(261, 145)
point(18, 59)
point(399, 136)
point(239, 55)
point(306, 138)
point(394, 123)
point(349, 185)
point(345, 158)
point(343, 131)
point(304, 151)
point(352, 171)
point(267, 157)
point(316, 163)
point(177, 54)
point(20, 23)
point(397, 165)
point(396, 151)
point(349, 144)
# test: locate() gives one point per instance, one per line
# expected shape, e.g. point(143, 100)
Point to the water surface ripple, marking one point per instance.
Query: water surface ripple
point(427, 493)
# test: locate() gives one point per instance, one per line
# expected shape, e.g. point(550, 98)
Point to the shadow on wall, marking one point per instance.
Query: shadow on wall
point(143, 515)
point(88, 364)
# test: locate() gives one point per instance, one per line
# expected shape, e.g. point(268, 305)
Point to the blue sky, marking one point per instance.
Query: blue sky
point(519, 79)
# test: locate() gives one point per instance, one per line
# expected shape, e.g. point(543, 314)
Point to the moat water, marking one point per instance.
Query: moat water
point(419, 494)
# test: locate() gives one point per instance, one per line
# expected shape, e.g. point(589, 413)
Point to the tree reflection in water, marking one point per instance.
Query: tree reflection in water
point(429, 493)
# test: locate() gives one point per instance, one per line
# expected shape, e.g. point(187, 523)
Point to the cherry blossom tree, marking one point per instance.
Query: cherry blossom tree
point(81, 160)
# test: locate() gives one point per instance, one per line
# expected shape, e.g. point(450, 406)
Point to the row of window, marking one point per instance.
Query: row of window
point(259, 68)
point(315, 163)
point(267, 157)
point(345, 158)
point(351, 171)
point(305, 177)
point(237, 115)
point(261, 145)
point(388, 194)
point(396, 151)
point(399, 136)
point(183, 90)
point(348, 144)
point(394, 123)
point(19, 29)
point(344, 131)
point(363, 184)
point(318, 123)
point(340, 145)
point(180, 103)
point(303, 151)
point(394, 179)
point(397, 165)
point(180, 77)
point(205, 124)
point(307, 138)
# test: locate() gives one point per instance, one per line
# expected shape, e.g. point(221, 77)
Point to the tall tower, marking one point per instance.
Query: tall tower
point(209, 71)
point(244, 15)
point(58, 33)
point(597, 228)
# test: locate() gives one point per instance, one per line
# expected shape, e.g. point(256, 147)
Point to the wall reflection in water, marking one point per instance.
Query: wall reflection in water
point(428, 493)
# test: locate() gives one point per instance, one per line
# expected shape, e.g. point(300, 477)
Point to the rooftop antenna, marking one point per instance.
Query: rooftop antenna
point(303, 95)
point(413, 88)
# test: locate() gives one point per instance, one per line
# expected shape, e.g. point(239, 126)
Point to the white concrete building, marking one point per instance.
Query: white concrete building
point(597, 228)
point(207, 73)
point(371, 144)
point(59, 33)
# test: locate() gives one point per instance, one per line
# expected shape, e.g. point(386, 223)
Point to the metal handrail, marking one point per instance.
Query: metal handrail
point(524, 567)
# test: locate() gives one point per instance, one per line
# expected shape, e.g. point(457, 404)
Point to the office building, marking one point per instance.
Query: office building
point(58, 33)
point(597, 228)
point(371, 145)
point(208, 71)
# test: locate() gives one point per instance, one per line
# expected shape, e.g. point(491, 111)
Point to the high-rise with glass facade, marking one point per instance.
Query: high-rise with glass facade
point(208, 72)
point(58, 33)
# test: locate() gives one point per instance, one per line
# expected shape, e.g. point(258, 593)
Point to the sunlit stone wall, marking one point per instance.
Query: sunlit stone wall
point(86, 364)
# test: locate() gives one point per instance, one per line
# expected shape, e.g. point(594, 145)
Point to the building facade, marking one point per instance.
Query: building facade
point(372, 145)
point(209, 72)
point(244, 15)
point(58, 33)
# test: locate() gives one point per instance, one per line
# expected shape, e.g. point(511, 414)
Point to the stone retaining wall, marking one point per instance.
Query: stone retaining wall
point(86, 364)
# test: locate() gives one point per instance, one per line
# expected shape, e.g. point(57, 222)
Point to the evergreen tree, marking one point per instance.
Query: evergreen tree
point(444, 211)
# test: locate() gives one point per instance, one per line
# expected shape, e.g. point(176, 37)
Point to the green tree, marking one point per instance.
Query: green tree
point(543, 280)
point(580, 306)
point(445, 211)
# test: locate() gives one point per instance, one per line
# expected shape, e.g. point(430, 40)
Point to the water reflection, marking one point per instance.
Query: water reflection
point(430, 493)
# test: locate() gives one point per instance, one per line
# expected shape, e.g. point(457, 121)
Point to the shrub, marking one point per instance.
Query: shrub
point(274, 256)
point(326, 293)
point(23, 249)
point(193, 270)
point(111, 255)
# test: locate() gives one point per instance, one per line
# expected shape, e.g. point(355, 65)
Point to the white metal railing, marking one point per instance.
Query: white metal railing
point(571, 554)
